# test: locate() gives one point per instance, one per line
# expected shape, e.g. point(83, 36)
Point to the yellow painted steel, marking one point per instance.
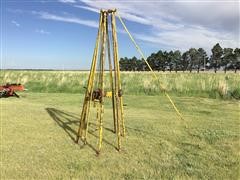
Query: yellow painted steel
point(95, 87)
point(98, 95)
point(109, 94)
point(154, 74)
point(117, 78)
point(89, 86)
point(102, 62)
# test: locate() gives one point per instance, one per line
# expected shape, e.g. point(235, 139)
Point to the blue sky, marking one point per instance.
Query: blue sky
point(61, 34)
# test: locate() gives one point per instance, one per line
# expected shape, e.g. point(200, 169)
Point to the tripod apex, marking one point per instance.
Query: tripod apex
point(109, 11)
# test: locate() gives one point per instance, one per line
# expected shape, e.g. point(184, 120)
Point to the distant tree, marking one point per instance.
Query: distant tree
point(140, 65)
point(185, 60)
point(193, 53)
point(170, 60)
point(193, 58)
point(127, 64)
point(122, 64)
point(160, 60)
point(217, 53)
point(151, 61)
point(202, 58)
point(236, 62)
point(157, 60)
point(177, 60)
point(165, 60)
point(227, 59)
point(133, 63)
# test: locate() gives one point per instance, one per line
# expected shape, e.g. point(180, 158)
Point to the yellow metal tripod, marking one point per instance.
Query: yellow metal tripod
point(95, 87)
point(95, 92)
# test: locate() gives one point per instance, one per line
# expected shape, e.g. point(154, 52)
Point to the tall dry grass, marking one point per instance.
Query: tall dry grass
point(189, 84)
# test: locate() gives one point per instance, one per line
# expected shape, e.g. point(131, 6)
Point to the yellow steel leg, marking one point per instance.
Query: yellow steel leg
point(115, 49)
point(119, 81)
point(102, 63)
point(111, 80)
point(88, 93)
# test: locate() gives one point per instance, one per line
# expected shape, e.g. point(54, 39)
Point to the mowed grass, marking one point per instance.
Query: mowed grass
point(39, 131)
point(219, 85)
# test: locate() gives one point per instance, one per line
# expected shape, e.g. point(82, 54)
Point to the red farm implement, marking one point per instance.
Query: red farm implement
point(10, 90)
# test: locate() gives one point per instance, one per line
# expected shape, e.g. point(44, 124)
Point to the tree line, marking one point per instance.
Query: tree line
point(193, 59)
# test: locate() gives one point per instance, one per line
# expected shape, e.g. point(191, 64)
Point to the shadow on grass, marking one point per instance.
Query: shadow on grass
point(69, 122)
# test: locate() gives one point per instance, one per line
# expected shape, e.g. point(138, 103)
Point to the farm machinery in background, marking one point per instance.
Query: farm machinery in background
point(10, 90)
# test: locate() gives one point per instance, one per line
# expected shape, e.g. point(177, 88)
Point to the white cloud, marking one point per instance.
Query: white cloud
point(179, 24)
point(67, 1)
point(41, 31)
point(173, 24)
point(126, 12)
point(87, 8)
point(186, 38)
point(15, 23)
point(69, 19)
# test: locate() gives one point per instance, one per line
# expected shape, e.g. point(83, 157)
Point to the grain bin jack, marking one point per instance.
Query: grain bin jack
point(95, 92)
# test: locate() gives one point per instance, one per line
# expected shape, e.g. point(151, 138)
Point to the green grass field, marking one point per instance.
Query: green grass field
point(38, 131)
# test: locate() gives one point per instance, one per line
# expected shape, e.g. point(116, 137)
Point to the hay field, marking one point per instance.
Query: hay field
point(211, 85)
